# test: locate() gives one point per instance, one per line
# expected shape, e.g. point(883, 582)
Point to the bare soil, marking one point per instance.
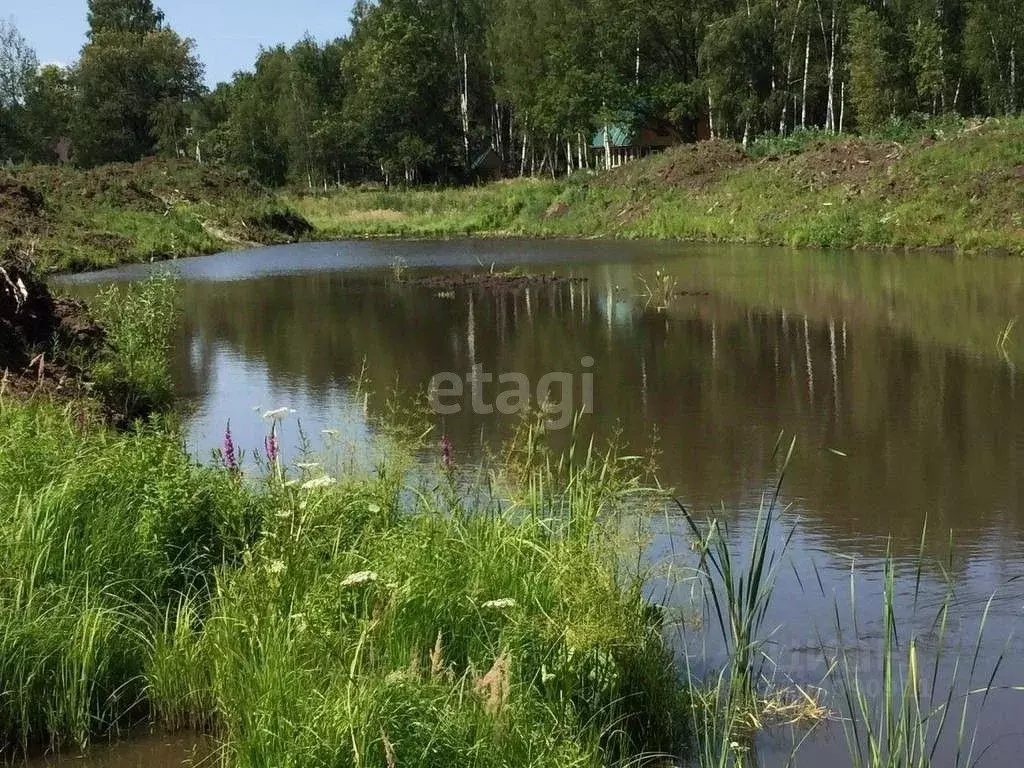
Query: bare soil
point(39, 331)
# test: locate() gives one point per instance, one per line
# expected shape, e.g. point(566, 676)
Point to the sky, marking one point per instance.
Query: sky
point(228, 33)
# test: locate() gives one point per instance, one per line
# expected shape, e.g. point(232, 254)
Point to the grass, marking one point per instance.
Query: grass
point(73, 219)
point(943, 186)
point(944, 183)
point(913, 708)
point(307, 619)
point(362, 620)
point(131, 375)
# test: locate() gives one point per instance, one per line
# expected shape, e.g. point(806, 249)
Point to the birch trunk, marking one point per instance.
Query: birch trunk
point(807, 66)
point(607, 149)
point(830, 115)
point(637, 78)
point(842, 104)
point(1013, 79)
point(789, 69)
point(711, 116)
point(464, 103)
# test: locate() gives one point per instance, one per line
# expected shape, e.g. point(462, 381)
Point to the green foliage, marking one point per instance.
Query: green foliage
point(127, 119)
point(136, 16)
point(952, 184)
point(314, 623)
point(133, 378)
point(98, 532)
point(870, 69)
point(73, 219)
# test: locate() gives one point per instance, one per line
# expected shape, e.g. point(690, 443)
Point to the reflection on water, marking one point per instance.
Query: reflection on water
point(148, 751)
point(886, 369)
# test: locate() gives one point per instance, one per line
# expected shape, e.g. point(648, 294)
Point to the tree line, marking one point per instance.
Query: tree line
point(420, 88)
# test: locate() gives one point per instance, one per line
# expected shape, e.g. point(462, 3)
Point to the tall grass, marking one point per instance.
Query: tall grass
point(921, 713)
point(98, 532)
point(132, 377)
point(314, 621)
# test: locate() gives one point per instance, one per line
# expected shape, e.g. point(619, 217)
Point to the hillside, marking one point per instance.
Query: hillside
point(71, 219)
point(961, 190)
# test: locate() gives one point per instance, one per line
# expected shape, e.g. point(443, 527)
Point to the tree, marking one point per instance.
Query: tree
point(134, 80)
point(17, 64)
point(870, 79)
point(994, 41)
point(49, 107)
point(401, 109)
point(738, 59)
point(135, 16)
point(926, 62)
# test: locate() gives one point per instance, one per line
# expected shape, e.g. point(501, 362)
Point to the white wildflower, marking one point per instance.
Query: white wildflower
point(373, 509)
point(278, 415)
point(285, 513)
point(358, 579)
point(321, 482)
point(501, 604)
point(276, 567)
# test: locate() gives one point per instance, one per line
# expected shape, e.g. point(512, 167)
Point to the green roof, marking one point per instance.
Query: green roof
point(619, 135)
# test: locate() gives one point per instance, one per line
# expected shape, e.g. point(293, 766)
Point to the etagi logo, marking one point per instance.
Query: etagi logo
point(555, 393)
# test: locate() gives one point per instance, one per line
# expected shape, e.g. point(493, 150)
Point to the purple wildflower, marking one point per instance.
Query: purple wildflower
point(230, 460)
point(446, 452)
point(270, 444)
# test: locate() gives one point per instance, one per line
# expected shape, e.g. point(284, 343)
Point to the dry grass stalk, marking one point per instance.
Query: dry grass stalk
point(437, 658)
point(494, 686)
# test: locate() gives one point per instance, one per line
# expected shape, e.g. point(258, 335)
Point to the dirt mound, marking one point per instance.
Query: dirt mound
point(689, 166)
point(148, 185)
point(21, 206)
point(851, 162)
point(28, 316)
point(35, 328)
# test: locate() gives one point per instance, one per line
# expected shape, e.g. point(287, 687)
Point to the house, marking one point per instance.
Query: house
point(631, 137)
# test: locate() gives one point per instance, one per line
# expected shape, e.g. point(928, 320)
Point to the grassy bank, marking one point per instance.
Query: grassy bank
point(958, 186)
point(961, 188)
point(313, 621)
point(73, 219)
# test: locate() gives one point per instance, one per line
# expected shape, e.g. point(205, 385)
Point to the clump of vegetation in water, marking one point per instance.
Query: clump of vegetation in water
point(132, 377)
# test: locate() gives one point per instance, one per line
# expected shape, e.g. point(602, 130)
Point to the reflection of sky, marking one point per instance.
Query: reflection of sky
point(242, 390)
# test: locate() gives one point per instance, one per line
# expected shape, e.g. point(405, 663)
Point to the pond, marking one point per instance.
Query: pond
point(897, 375)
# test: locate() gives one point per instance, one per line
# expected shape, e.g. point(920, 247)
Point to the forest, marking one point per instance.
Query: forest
point(420, 88)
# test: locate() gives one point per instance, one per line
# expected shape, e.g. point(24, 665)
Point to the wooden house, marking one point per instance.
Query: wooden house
point(629, 138)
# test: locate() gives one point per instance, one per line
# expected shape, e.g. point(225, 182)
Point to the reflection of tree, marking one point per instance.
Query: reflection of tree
point(926, 428)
